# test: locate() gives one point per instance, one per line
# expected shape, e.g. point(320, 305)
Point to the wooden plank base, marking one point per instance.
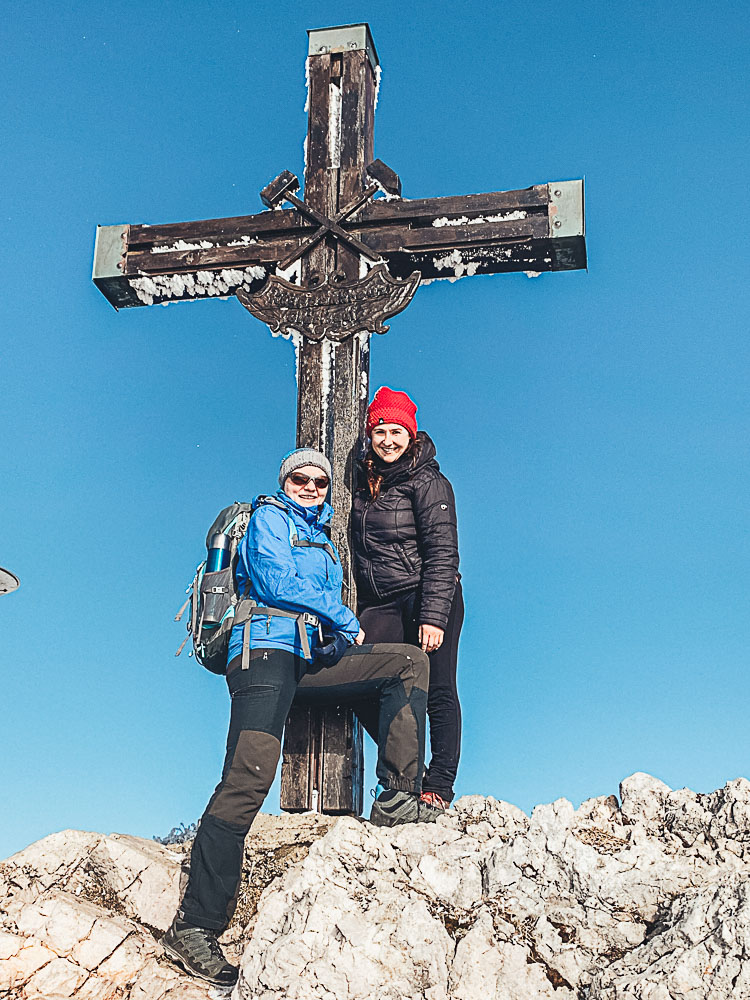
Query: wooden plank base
point(323, 768)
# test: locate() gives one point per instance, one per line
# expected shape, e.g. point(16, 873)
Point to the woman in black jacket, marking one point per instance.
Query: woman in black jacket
point(406, 565)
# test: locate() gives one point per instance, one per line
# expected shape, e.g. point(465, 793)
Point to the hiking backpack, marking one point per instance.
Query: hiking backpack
point(215, 604)
point(213, 597)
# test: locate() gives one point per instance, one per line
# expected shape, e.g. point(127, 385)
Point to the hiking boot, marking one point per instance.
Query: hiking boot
point(433, 799)
point(392, 808)
point(198, 952)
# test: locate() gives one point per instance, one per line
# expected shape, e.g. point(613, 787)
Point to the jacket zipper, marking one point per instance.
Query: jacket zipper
point(373, 588)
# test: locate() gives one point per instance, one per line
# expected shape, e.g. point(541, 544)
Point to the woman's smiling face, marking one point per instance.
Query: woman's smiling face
point(307, 485)
point(389, 441)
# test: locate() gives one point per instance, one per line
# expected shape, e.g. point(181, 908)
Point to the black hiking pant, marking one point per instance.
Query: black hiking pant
point(395, 620)
point(390, 676)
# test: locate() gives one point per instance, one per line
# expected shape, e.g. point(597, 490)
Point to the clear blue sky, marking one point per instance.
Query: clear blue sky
point(595, 425)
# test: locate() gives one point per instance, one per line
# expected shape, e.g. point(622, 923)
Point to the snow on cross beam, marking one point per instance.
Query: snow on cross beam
point(541, 228)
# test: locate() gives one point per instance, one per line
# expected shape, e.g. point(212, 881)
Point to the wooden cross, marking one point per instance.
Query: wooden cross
point(326, 272)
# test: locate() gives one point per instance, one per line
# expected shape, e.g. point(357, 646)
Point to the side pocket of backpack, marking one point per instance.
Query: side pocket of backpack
point(217, 617)
point(215, 597)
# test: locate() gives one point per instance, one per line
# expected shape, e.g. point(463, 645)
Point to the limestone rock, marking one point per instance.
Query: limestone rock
point(645, 901)
point(81, 913)
point(700, 947)
point(643, 799)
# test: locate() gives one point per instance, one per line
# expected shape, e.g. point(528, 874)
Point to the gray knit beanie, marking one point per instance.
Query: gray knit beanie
point(303, 456)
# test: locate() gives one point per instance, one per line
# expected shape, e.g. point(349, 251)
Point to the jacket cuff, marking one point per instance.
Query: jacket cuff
point(351, 631)
point(430, 618)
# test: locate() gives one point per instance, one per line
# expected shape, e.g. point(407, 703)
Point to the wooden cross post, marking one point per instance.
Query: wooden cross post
point(326, 272)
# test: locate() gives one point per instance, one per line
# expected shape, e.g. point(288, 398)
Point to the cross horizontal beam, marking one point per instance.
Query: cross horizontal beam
point(540, 228)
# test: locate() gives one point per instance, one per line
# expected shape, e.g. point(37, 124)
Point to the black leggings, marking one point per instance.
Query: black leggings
point(395, 620)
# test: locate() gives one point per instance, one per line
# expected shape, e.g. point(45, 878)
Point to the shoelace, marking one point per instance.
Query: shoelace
point(434, 800)
point(206, 946)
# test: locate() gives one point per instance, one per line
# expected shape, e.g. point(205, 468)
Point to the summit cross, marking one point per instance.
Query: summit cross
point(326, 271)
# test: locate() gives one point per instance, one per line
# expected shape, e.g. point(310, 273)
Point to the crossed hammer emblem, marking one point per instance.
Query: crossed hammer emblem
point(282, 189)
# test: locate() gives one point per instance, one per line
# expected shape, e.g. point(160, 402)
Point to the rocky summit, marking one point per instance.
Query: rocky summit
point(645, 898)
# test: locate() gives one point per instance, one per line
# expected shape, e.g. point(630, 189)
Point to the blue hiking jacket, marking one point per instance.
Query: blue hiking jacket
point(277, 574)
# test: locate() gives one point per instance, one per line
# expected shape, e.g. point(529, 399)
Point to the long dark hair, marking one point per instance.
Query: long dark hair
point(375, 477)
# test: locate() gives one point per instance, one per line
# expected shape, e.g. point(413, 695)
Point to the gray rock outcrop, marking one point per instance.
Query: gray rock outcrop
point(647, 898)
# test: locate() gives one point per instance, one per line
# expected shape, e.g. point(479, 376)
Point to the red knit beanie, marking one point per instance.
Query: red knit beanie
point(389, 406)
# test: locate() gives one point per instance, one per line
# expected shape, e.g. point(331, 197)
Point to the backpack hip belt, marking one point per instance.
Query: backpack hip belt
point(248, 609)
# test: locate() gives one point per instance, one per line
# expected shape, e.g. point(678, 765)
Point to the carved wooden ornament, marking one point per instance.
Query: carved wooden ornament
point(333, 309)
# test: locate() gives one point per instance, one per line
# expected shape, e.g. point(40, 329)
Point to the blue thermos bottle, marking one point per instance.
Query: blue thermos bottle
point(218, 554)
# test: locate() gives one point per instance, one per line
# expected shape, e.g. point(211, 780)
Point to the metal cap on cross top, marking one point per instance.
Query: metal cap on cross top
point(327, 268)
point(344, 38)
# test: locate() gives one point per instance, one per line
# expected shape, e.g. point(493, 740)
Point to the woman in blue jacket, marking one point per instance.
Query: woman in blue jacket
point(299, 643)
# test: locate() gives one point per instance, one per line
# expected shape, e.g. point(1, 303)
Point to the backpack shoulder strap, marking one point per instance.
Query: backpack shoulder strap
point(268, 501)
point(326, 546)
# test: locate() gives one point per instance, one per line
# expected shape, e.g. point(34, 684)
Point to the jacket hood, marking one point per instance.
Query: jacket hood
point(320, 514)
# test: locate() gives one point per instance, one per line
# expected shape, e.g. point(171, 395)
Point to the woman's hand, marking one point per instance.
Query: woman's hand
point(360, 638)
point(430, 637)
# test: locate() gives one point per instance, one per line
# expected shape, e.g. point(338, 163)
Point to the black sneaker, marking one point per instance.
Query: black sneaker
point(392, 808)
point(199, 953)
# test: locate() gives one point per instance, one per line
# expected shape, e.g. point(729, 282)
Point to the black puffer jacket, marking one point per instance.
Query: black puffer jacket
point(407, 538)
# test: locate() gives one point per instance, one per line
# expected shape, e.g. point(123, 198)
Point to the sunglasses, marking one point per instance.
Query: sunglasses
point(321, 482)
